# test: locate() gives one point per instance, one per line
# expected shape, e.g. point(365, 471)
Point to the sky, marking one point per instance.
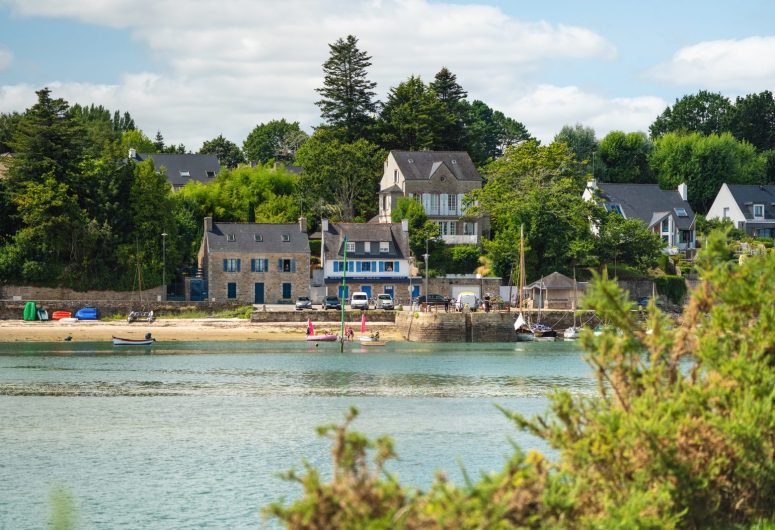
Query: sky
point(194, 69)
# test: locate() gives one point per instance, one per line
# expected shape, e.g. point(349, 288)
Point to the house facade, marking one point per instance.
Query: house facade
point(377, 258)
point(751, 208)
point(255, 263)
point(665, 212)
point(182, 168)
point(438, 180)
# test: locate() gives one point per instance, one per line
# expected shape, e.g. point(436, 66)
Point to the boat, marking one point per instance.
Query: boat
point(141, 315)
point(42, 314)
point(59, 315)
point(323, 337)
point(374, 343)
point(542, 332)
point(119, 341)
point(521, 327)
point(367, 339)
point(88, 313)
point(573, 332)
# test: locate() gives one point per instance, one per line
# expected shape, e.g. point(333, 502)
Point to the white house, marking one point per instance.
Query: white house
point(751, 208)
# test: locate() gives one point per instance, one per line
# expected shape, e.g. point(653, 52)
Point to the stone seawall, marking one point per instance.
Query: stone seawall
point(13, 310)
point(479, 326)
point(22, 293)
point(351, 317)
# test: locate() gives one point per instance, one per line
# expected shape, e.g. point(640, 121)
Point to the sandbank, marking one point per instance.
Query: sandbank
point(172, 329)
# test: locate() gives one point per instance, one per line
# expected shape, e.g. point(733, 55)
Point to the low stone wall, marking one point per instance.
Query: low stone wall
point(321, 316)
point(26, 292)
point(438, 326)
point(13, 310)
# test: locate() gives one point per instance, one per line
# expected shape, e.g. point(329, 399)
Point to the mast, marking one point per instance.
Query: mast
point(344, 285)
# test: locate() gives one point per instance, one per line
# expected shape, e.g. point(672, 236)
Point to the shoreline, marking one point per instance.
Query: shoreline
point(173, 330)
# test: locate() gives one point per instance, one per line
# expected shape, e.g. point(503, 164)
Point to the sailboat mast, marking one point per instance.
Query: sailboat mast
point(344, 286)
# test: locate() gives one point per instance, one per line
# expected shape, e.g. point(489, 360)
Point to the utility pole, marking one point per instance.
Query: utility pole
point(426, 255)
point(164, 264)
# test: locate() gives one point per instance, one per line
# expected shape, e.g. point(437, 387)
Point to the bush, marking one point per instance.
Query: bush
point(673, 287)
point(680, 435)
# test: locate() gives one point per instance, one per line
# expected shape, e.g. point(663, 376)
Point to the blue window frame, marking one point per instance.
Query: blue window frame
point(231, 290)
point(259, 265)
point(231, 265)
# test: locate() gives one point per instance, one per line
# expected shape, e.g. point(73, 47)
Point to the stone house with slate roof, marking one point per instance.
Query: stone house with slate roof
point(555, 291)
point(377, 258)
point(438, 180)
point(665, 212)
point(182, 168)
point(750, 207)
point(255, 263)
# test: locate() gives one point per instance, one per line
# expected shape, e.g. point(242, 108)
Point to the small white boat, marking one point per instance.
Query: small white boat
point(118, 341)
point(571, 333)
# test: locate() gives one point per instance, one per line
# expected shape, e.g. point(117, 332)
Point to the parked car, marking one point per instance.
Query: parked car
point(466, 299)
point(359, 300)
point(303, 302)
point(332, 302)
point(384, 301)
point(432, 299)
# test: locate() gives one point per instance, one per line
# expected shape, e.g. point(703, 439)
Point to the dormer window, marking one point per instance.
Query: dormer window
point(681, 212)
point(185, 173)
point(758, 211)
point(384, 246)
point(614, 207)
point(231, 237)
point(286, 238)
point(367, 246)
point(454, 161)
point(258, 238)
point(351, 246)
point(210, 174)
point(410, 161)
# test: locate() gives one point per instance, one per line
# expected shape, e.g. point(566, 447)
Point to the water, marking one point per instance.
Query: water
point(194, 435)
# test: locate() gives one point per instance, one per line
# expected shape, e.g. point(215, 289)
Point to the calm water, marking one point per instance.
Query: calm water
point(194, 435)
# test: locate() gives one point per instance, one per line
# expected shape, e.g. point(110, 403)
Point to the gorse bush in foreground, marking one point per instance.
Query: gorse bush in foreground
point(680, 435)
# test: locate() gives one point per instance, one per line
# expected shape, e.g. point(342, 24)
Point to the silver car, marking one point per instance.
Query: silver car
point(384, 301)
point(303, 302)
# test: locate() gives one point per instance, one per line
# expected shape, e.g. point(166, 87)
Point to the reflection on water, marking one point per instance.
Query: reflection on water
point(191, 435)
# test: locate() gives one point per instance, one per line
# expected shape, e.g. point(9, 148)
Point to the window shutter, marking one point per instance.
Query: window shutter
point(381, 266)
point(266, 265)
point(225, 265)
point(395, 266)
point(357, 266)
point(280, 265)
point(239, 263)
point(336, 266)
point(252, 265)
point(293, 264)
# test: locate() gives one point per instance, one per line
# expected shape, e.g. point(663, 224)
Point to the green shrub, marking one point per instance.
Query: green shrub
point(673, 287)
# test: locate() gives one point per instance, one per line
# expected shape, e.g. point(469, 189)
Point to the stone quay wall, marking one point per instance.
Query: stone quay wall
point(317, 317)
point(495, 326)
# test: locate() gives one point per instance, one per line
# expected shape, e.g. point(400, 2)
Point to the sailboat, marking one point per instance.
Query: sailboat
point(371, 339)
point(142, 314)
point(521, 327)
point(573, 332)
point(323, 337)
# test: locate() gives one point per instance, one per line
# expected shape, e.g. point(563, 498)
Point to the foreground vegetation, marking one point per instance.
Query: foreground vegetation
point(681, 433)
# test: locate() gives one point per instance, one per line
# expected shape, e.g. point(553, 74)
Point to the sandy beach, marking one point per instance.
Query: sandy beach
point(177, 329)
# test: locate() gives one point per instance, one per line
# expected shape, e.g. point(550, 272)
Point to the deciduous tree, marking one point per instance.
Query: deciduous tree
point(229, 155)
point(274, 140)
point(704, 113)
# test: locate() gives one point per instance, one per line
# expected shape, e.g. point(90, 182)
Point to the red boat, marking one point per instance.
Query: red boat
point(58, 315)
point(325, 337)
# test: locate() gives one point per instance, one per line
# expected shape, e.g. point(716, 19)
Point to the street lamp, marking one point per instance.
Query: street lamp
point(426, 270)
point(164, 264)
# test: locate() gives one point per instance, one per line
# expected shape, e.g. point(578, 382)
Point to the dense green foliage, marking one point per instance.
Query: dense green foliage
point(673, 287)
point(681, 432)
point(624, 157)
point(229, 155)
point(275, 140)
point(581, 141)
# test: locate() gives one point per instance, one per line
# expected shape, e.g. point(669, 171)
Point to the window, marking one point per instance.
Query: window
point(388, 266)
point(616, 208)
point(665, 225)
point(286, 265)
point(454, 161)
point(231, 290)
point(231, 237)
point(395, 176)
point(468, 229)
point(351, 246)
point(210, 174)
point(231, 265)
point(185, 173)
point(384, 246)
point(452, 228)
point(725, 215)
point(443, 228)
point(259, 265)
point(758, 211)
point(681, 212)
point(452, 203)
point(367, 246)
point(434, 203)
point(286, 238)
point(365, 266)
point(258, 237)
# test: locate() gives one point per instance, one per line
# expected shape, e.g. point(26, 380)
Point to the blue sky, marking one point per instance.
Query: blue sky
point(196, 69)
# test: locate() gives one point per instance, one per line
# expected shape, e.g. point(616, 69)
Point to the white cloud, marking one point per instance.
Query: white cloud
point(6, 58)
point(745, 64)
point(227, 65)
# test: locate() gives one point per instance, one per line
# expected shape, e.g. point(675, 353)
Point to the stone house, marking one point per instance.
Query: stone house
point(255, 263)
point(751, 208)
point(182, 168)
point(554, 291)
point(439, 180)
point(377, 258)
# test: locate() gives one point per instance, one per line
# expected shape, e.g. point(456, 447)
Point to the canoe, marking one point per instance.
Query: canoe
point(118, 341)
point(87, 313)
point(328, 337)
point(57, 315)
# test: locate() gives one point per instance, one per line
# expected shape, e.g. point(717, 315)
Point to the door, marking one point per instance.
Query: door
point(259, 294)
point(286, 291)
point(415, 291)
point(367, 289)
point(389, 290)
point(344, 293)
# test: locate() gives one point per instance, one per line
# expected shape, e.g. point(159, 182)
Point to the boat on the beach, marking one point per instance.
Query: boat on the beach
point(58, 315)
point(147, 341)
point(522, 329)
point(323, 337)
point(371, 339)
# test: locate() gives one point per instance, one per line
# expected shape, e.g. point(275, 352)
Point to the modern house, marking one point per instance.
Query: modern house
point(750, 207)
point(665, 212)
point(182, 168)
point(255, 263)
point(377, 258)
point(439, 180)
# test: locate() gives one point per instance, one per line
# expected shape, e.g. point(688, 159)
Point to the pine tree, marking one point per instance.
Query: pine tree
point(347, 96)
point(453, 98)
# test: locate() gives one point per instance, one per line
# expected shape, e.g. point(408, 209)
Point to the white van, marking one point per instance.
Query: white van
point(466, 299)
point(359, 300)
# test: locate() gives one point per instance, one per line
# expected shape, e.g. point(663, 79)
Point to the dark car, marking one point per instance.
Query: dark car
point(303, 302)
point(332, 302)
point(432, 299)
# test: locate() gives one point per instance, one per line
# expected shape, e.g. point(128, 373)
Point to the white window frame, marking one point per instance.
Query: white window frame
point(759, 207)
point(434, 203)
point(350, 246)
point(367, 246)
point(384, 246)
point(452, 203)
point(231, 238)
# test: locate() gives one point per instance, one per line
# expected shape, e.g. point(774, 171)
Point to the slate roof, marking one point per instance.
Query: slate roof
point(647, 202)
point(421, 165)
point(245, 240)
point(747, 195)
point(552, 281)
point(398, 241)
point(197, 166)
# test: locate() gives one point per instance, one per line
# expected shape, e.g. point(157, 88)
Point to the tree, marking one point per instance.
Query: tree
point(229, 155)
point(704, 113)
point(412, 118)
point(704, 163)
point(8, 124)
point(753, 119)
point(343, 175)
point(490, 132)
point(627, 241)
point(624, 158)
point(137, 140)
point(453, 98)
point(274, 140)
point(347, 95)
point(581, 140)
point(420, 228)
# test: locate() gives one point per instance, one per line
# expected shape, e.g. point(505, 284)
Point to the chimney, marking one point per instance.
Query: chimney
point(208, 224)
point(683, 191)
point(132, 153)
point(303, 225)
point(405, 226)
point(592, 184)
point(324, 225)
